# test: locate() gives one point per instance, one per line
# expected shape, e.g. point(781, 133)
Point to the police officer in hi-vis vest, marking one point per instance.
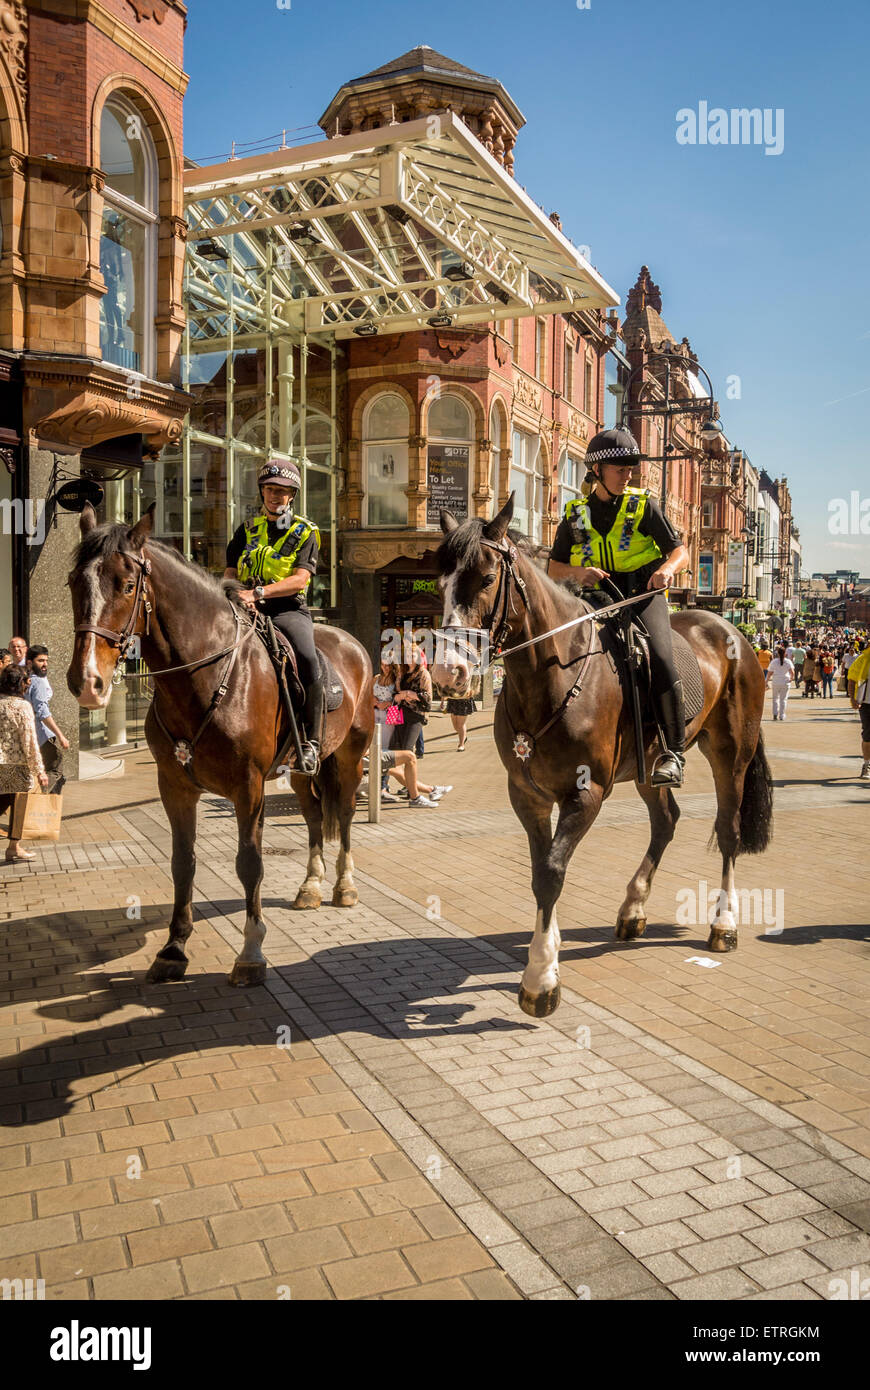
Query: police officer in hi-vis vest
point(619, 531)
point(275, 555)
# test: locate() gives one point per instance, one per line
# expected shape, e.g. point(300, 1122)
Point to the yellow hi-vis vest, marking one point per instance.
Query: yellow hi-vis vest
point(266, 564)
point(623, 549)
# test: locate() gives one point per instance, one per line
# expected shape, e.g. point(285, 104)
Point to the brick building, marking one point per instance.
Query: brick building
point(91, 312)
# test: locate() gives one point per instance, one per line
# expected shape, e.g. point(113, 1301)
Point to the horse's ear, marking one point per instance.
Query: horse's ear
point(448, 522)
point(87, 519)
point(139, 534)
point(496, 529)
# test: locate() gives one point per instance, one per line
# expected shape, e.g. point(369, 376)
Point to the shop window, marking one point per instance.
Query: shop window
point(449, 458)
point(707, 513)
point(386, 428)
point(128, 238)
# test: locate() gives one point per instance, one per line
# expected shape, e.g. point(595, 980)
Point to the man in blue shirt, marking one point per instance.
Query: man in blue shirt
point(51, 740)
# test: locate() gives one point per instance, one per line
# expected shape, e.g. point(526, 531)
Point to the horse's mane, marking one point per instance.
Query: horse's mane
point(464, 547)
point(113, 539)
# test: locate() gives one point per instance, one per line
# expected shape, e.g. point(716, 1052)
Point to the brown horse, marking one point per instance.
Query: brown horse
point(124, 584)
point(579, 747)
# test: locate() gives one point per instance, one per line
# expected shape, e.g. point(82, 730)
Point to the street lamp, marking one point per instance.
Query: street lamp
point(668, 406)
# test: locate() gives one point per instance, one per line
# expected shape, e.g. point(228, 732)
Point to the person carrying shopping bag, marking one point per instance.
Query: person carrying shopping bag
point(21, 766)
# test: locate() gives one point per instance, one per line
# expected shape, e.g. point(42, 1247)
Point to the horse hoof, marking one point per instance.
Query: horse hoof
point(722, 939)
point(629, 930)
point(307, 899)
point(344, 897)
point(540, 1005)
point(246, 972)
point(162, 970)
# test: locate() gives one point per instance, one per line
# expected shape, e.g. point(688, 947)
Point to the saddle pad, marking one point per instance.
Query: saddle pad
point(332, 687)
point(690, 674)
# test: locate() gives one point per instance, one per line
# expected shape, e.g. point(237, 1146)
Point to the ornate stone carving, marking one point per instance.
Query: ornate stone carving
point(452, 343)
point(90, 418)
point(178, 227)
point(13, 42)
point(527, 393)
point(148, 9)
point(7, 457)
point(417, 441)
point(579, 424)
point(362, 552)
point(644, 292)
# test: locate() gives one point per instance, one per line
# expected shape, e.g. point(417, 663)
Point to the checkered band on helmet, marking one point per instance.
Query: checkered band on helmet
point(612, 444)
point(280, 472)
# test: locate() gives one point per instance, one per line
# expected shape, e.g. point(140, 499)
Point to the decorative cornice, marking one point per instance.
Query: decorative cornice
point(362, 550)
point(148, 9)
point(77, 402)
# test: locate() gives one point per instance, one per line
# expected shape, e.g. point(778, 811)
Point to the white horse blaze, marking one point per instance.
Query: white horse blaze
point(542, 972)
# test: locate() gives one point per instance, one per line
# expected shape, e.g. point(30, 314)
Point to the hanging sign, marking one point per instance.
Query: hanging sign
point(448, 481)
point(74, 496)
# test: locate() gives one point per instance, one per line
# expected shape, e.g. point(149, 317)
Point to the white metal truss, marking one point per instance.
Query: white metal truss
point(370, 231)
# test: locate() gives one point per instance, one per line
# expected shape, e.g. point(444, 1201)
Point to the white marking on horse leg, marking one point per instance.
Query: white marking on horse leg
point(724, 914)
point(255, 931)
point(315, 873)
point(541, 975)
point(344, 871)
point(637, 891)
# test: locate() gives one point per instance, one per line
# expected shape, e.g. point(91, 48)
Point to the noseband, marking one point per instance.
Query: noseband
point(122, 640)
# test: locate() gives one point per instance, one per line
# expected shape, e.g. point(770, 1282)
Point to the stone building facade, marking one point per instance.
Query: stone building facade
point(91, 313)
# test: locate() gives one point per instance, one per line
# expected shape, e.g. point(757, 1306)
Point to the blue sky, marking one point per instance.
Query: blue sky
point(762, 259)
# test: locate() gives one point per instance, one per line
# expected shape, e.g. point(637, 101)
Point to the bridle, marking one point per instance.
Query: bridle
point(495, 627)
point(123, 639)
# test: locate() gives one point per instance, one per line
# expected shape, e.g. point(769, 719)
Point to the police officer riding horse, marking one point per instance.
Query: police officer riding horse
point(619, 532)
point(274, 556)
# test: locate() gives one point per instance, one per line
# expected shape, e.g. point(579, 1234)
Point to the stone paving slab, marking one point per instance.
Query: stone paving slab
point(419, 1137)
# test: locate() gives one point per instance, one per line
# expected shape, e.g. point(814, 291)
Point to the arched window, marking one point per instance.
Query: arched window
point(386, 427)
point(526, 483)
point(450, 462)
point(572, 471)
point(128, 240)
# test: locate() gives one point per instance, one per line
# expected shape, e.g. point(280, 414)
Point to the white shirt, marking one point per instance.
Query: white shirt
point(781, 673)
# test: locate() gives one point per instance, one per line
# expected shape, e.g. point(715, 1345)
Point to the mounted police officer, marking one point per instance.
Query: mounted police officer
point(619, 531)
point(274, 555)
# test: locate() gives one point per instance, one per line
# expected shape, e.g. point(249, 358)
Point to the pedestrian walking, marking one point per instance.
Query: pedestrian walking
point(21, 766)
point(765, 655)
point(52, 742)
point(810, 665)
point(18, 650)
point(459, 707)
point(827, 663)
point(798, 657)
point(859, 692)
point(780, 675)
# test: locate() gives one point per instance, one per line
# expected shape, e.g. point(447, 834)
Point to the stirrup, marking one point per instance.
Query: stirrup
point(667, 770)
point(310, 759)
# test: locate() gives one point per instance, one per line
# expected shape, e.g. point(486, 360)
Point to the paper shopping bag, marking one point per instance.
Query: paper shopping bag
point(42, 816)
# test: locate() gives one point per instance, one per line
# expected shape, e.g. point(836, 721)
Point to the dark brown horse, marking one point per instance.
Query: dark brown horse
point(489, 583)
point(124, 583)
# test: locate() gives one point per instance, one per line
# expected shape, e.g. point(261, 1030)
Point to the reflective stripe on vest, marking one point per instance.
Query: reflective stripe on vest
point(265, 563)
point(624, 548)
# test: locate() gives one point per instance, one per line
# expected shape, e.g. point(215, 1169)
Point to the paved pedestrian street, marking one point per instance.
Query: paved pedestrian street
point(380, 1120)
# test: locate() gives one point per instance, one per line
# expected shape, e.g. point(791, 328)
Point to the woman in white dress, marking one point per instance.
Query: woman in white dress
point(21, 765)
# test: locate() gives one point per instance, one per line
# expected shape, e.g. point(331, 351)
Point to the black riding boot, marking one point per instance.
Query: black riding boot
point(668, 768)
point(312, 718)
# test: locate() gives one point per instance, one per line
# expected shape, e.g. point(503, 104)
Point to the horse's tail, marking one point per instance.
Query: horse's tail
point(329, 789)
point(756, 807)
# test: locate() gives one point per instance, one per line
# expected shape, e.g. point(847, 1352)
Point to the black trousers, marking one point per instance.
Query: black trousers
point(655, 616)
point(297, 625)
point(405, 735)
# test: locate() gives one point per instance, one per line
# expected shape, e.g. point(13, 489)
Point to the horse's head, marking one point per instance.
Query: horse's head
point(109, 597)
point(474, 580)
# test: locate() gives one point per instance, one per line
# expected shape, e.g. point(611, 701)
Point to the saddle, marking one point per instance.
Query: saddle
point(629, 645)
point(292, 691)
